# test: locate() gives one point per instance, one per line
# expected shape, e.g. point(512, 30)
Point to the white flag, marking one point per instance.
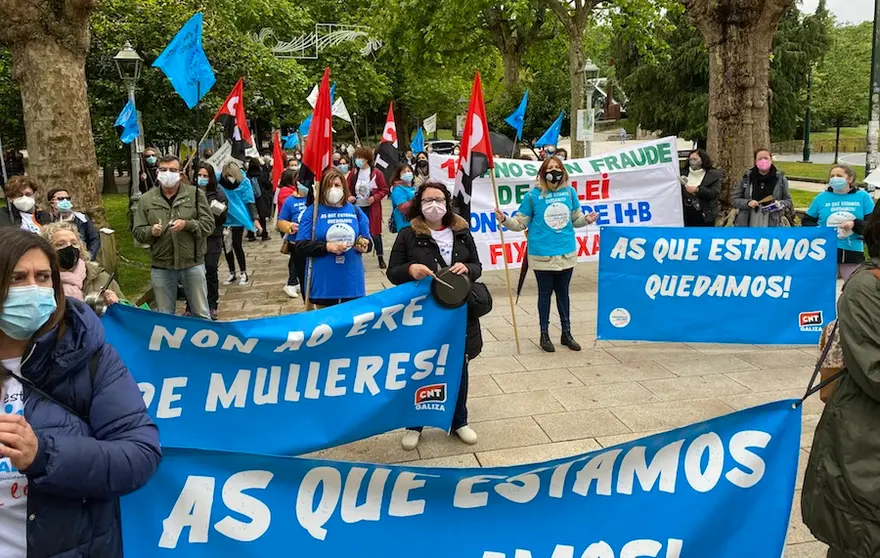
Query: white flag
point(340, 110)
point(313, 97)
point(430, 124)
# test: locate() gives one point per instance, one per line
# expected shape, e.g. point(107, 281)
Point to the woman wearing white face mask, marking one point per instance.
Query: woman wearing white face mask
point(21, 205)
point(368, 188)
point(437, 238)
point(333, 236)
point(847, 209)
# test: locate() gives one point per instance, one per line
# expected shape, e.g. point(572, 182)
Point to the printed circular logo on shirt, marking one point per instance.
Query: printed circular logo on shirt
point(620, 317)
point(557, 216)
point(340, 232)
point(362, 190)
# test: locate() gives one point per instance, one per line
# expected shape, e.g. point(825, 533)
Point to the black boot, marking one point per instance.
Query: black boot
point(546, 344)
point(569, 341)
point(382, 263)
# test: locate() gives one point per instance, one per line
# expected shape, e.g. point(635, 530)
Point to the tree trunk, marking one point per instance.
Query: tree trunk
point(837, 144)
point(739, 36)
point(512, 58)
point(576, 62)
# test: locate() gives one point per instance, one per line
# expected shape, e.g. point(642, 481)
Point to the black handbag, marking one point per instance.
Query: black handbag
point(479, 301)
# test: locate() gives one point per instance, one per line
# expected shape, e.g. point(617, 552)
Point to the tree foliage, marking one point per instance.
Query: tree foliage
point(841, 80)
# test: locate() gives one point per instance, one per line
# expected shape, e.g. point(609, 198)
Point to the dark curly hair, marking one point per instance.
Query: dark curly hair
point(416, 209)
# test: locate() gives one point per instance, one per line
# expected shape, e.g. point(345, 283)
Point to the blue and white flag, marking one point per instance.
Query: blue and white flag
point(128, 121)
point(551, 136)
point(418, 142)
point(718, 489)
point(517, 119)
point(295, 384)
point(305, 126)
point(185, 63)
point(717, 285)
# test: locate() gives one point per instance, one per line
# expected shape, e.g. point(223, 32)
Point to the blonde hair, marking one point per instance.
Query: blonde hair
point(49, 231)
point(232, 168)
point(542, 184)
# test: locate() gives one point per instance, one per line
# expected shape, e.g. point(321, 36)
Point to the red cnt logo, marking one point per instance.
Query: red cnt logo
point(808, 319)
point(435, 393)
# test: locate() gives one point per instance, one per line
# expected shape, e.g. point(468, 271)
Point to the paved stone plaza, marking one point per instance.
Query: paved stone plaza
point(536, 406)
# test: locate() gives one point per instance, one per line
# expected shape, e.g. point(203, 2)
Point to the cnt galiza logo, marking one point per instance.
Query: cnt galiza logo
point(431, 398)
point(811, 321)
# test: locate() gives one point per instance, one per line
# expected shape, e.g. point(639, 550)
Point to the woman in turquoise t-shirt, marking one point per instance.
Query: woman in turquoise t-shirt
point(846, 208)
point(402, 193)
point(550, 212)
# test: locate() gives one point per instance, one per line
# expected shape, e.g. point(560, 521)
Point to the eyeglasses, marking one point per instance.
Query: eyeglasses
point(434, 200)
point(166, 169)
point(66, 198)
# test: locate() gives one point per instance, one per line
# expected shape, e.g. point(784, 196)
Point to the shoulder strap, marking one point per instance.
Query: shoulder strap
point(812, 387)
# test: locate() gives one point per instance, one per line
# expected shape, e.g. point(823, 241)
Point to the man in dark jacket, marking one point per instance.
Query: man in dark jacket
point(62, 210)
point(175, 220)
point(21, 209)
point(148, 173)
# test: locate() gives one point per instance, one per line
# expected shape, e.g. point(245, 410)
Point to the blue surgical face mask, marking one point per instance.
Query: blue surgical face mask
point(151, 160)
point(65, 206)
point(303, 190)
point(203, 181)
point(343, 168)
point(26, 310)
point(407, 177)
point(838, 184)
point(359, 163)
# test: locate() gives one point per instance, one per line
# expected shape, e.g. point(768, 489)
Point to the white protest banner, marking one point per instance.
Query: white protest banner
point(430, 124)
point(635, 186)
point(586, 124)
point(222, 156)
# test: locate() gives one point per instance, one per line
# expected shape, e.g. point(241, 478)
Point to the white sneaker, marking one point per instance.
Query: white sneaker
point(292, 291)
point(243, 280)
point(467, 435)
point(230, 280)
point(410, 440)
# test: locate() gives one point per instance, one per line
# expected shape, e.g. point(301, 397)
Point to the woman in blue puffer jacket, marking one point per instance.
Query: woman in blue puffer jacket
point(74, 432)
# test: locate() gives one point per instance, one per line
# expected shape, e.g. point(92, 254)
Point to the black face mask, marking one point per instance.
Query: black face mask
point(68, 257)
point(553, 176)
point(422, 164)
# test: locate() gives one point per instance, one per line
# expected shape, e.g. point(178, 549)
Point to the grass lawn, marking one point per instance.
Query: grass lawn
point(860, 132)
point(802, 198)
point(134, 269)
point(812, 170)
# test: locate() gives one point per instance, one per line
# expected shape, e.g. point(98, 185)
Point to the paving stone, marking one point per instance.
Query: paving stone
point(653, 352)
point(617, 439)
point(512, 405)
point(812, 406)
point(693, 387)
point(813, 549)
point(536, 454)
point(797, 531)
point(536, 381)
point(485, 365)
point(768, 359)
point(722, 348)
point(774, 379)
point(493, 435)
point(704, 365)
point(480, 386)
point(384, 448)
point(508, 348)
point(617, 373)
point(578, 425)
point(603, 396)
point(564, 358)
point(663, 416)
point(452, 461)
point(808, 429)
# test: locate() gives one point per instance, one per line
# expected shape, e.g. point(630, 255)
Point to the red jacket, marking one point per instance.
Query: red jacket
point(373, 211)
point(283, 193)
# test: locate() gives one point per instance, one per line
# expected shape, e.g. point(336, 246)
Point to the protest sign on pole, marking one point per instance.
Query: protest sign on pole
point(222, 156)
point(718, 489)
point(294, 384)
point(717, 285)
point(430, 124)
point(636, 186)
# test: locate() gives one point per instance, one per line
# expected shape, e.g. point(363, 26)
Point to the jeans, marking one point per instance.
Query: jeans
point(195, 286)
point(236, 251)
point(550, 282)
point(460, 416)
point(292, 276)
point(377, 245)
point(212, 262)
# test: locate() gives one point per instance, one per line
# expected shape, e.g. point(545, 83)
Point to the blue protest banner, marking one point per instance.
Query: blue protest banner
point(719, 489)
point(716, 285)
point(185, 63)
point(294, 384)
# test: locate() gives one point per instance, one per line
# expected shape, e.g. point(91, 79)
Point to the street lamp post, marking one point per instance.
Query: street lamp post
point(128, 64)
point(808, 118)
point(591, 79)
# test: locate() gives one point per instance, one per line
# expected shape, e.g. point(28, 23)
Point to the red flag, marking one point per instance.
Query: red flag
point(389, 134)
point(231, 116)
point(277, 158)
point(475, 157)
point(319, 142)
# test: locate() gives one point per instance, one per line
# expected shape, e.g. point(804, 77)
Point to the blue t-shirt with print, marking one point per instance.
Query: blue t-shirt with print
point(336, 276)
point(832, 209)
point(292, 211)
point(551, 232)
point(401, 194)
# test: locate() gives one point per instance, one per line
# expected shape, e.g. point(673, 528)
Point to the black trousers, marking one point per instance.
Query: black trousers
point(460, 416)
point(212, 262)
point(550, 282)
point(236, 250)
point(293, 265)
point(377, 245)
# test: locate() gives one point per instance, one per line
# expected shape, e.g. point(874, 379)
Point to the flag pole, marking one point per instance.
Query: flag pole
point(208, 131)
point(513, 153)
point(506, 266)
point(315, 192)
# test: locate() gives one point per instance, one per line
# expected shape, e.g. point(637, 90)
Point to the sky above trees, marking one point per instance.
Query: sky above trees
point(853, 11)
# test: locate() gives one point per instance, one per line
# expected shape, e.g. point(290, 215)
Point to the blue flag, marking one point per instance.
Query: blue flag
point(185, 63)
point(716, 285)
point(332, 92)
point(305, 126)
point(551, 136)
point(517, 119)
point(312, 380)
point(722, 488)
point(291, 141)
point(418, 142)
point(128, 120)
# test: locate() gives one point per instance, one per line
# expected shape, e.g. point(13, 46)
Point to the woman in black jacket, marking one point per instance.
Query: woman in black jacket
point(700, 189)
point(437, 238)
point(207, 180)
point(263, 195)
